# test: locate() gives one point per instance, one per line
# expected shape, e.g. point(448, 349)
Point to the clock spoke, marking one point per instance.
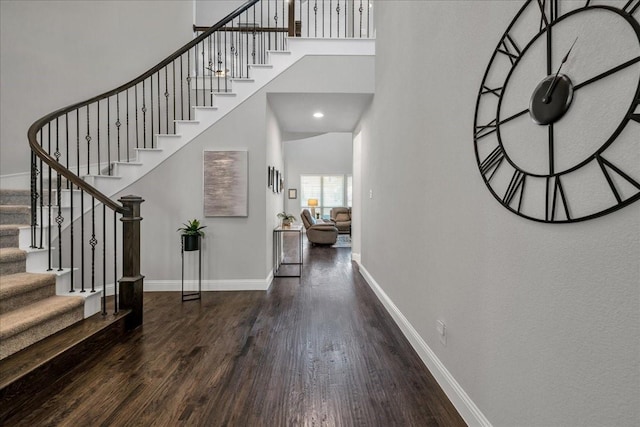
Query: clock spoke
point(607, 73)
point(515, 116)
point(485, 130)
point(630, 8)
point(551, 160)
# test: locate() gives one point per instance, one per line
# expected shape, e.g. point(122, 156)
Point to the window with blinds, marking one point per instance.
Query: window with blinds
point(330, 190)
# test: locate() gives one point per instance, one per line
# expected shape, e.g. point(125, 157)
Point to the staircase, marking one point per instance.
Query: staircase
point(120, 175)
point(30, 310)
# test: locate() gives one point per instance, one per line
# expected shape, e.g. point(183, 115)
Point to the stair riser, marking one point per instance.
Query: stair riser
point(11, 198)
point(13, 266)
point(9, 240)
point(14, 217)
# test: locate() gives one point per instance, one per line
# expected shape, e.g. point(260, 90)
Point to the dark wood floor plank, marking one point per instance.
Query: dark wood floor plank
point(316, 351)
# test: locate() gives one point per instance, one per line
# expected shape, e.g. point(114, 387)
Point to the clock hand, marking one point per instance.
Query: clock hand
point(547, 96)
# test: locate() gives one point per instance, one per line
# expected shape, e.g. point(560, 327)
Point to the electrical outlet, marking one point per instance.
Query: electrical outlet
point(442, 331)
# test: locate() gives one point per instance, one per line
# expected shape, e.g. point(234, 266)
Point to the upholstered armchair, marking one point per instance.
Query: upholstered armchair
point(318, 231)
point(341, 217)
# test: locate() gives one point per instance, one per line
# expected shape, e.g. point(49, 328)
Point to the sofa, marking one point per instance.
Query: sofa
point(341, 217)
point(318, 231)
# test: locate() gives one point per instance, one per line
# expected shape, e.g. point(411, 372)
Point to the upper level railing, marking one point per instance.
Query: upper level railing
point(90, 137)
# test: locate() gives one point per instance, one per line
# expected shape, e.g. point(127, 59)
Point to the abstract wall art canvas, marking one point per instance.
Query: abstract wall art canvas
point(226, 183)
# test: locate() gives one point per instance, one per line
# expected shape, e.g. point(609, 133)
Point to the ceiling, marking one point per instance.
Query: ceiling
point(294, 112)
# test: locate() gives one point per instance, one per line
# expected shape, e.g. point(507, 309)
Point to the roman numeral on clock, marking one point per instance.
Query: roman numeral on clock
point(554, 197)
point(604, 162)
point(497, 91)
point(485, 130)
point(510, 48)
point(516, 184)
point(492, 162)
point(547, 15)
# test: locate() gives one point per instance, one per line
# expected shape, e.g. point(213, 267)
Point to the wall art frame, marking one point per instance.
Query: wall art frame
point(226, 183)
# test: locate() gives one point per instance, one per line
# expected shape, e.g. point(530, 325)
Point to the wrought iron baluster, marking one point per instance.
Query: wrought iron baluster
point(153, 143)
point(127, 123)
point(93, 242)
point(98, 134)
point(181, 94)
point(88, 139)
point(188, 85)
point(41, 199)
point(330, 18)
point(368, 16)
point(151, 109)
point(49, 204)
point(82, 270)
point(225, 65)
point(173, 78)
point(118, 123)
point(71, 242)
point(360, 9)
point(210, 68)
point(78, 142)
point(315, 17)
point(59, 219)
point(34, 199)
point(109, 165)
point(66, 132)
point(137, 125)
point(115, 263)
point(166, 99)
point(144, 116)
point(104, 248)
point(195, 59)
point(204, 89)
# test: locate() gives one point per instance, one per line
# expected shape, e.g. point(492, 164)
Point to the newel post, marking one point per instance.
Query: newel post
point(131, 283)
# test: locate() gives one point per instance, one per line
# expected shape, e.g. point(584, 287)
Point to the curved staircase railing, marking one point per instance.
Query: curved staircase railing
point(90, 138)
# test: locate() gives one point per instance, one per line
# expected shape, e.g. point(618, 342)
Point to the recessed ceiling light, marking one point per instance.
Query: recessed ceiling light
point(318, 115)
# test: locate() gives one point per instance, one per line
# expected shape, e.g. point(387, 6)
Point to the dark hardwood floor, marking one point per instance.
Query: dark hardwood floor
point(315, 351)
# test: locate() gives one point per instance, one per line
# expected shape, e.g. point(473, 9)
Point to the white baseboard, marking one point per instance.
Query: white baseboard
point(209, 285)
point(460, 399)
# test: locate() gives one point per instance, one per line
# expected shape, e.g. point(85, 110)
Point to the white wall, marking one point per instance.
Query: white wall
point(543, 321)
point(55, 53)
point(327, 154)
point(210, 12)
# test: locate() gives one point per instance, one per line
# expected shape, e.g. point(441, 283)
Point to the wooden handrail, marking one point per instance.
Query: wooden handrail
point(40, 123)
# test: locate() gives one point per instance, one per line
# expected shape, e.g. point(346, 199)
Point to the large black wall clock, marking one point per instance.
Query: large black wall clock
point(557, 120)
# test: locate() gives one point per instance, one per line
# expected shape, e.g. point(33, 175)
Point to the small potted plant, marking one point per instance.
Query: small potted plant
point(286, 218)
point(191, 233)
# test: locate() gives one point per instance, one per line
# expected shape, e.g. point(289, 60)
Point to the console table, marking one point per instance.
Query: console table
point(278, 247)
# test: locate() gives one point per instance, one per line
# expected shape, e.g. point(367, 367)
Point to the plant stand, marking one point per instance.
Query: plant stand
point(192, 295)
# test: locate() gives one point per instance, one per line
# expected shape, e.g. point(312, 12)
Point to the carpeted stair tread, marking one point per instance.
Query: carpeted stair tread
point(15, 197)
point(22, 327)
point(20, 289)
